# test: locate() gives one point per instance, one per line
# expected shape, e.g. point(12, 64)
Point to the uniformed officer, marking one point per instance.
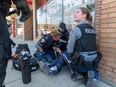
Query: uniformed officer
point(65, 36)
point(47, 45)
point(4, 34)
point(81, 47)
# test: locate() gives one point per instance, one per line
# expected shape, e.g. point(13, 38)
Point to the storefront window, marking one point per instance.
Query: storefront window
point(50, 15)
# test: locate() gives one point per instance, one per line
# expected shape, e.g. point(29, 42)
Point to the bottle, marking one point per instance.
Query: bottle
point(96, 74)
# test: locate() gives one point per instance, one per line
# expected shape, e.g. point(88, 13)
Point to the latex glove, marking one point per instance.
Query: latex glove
point(22, 7)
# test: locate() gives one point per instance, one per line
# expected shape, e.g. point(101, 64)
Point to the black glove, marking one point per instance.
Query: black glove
point(24, 8)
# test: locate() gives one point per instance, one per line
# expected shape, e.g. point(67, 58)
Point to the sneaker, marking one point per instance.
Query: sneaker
point(74, 76)
point(44, 67)
point(53, 70)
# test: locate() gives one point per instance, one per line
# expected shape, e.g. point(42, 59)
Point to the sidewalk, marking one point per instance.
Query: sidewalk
point(13, 78)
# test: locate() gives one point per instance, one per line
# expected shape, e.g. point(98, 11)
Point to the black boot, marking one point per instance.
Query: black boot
point(74, 76)
point(85, 76)
point(88, 78)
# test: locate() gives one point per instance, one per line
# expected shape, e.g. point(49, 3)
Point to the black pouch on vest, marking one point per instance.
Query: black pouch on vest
point(80, 61)
point(88, 64)
point(97, 60)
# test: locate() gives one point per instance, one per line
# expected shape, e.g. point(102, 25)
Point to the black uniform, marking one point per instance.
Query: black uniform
point(4, 34)
point(47, 44)
point(64, 37)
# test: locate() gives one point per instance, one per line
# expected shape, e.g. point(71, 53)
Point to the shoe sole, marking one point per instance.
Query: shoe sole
point(44, 69)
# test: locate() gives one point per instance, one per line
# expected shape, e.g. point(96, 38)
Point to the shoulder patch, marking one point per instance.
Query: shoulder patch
point(42, 40)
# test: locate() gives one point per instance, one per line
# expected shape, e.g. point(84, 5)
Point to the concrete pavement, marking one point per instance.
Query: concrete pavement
point(13, 78)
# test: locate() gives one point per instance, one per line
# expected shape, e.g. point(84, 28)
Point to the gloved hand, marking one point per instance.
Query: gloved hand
point(22, 6)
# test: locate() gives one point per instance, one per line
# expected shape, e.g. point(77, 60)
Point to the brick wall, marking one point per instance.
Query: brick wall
point(106, 32)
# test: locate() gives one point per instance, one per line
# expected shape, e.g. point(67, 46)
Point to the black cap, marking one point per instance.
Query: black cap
point(62, 25)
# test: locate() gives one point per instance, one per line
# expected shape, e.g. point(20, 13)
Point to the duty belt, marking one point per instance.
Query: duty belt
point(91, 52)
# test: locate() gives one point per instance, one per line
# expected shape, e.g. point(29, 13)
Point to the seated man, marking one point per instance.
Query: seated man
point(45, 47)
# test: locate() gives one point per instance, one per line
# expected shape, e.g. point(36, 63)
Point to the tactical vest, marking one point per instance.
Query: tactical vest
point(87, 41)
point(50, 42)
point(4, 6)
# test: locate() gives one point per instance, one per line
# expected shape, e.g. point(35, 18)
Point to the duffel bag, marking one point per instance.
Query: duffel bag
point(33, 64)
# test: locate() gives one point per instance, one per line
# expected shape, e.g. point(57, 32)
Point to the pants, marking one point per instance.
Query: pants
point(10, 48)
point(4, 35)
point(59, 63)
point(48, 56)
point(74, 67)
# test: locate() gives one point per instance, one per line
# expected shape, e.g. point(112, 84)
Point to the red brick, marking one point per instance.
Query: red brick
point(103, 44)
point(112, 35)
point(113, 25)
point(115, 70)
point(113, 4)
point(109, 20)
point(104, 25)
point(112, 45)
point(104, 16)
point(115, 59)
point(107, 40)
point(106, 49)
point(109, 54)
point(112, 74)
point(114, 79)
point(98, 9)
point(107, 1)
point(111, 64)
point(98, 15)
point(106, 77)
point(108, 59)
point(103, 35)
point(97, 26)
point(97, 20)
point(102, 62)
point(112, 14)
point(108, 10)
point(105, 6)
point(99, 3)
point(101, 70)
point(108, 30)
point(106, 67)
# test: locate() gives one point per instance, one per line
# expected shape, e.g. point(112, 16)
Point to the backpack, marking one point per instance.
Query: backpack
point(22, 47)
point(19, 53)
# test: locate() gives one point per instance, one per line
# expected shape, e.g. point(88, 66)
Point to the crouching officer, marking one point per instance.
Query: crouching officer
point(4, 34)
point(82, 47)
point(45, 49)
point(65, 36)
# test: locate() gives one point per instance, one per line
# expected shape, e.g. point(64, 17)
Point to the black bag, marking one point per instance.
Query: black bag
point(33, 64)
point(22, 47)
point(16, 61)
point(25, 69)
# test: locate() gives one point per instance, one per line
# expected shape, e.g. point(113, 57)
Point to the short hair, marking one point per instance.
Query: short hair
point(55, 32)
